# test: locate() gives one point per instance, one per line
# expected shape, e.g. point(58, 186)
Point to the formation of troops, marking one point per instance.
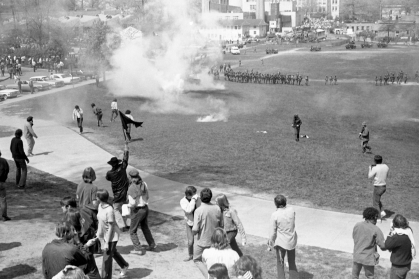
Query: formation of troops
point(331, 80)
point(391, 78)
point(257, 77)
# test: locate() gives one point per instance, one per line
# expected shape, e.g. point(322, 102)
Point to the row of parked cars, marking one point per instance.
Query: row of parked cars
point(42, 83)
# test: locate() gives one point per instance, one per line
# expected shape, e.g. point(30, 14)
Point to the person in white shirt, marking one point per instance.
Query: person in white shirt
point(114, 107)
point(138, 196)
point(78, 114)
point(378, 172)
point(188, 204)
point(51, 76)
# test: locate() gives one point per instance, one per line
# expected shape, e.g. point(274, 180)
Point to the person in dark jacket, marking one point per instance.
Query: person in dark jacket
point(20, 158)
point(401, 244)
point(120, 183)
point(59, 253)
point(98, 112)
point(296, 124)
point(4, 171)
point(364, 136)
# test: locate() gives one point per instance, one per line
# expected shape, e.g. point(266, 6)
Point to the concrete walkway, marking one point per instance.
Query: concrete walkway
point(65, 153)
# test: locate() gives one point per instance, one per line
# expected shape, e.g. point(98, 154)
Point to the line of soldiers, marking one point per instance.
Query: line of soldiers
point(256, 77)
point(391, 77)
point(331, 80)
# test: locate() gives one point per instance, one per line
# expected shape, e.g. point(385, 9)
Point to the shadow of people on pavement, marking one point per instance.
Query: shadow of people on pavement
point(139, 272)
point(43, 153)
point(16, 271)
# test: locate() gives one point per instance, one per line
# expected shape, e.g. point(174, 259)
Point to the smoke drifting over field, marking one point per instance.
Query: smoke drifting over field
point(162, 65)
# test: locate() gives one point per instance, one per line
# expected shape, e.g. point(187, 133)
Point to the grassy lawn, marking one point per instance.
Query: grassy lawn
point(327, 170)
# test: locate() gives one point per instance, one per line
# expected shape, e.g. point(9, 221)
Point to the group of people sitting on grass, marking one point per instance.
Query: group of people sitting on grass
point(256, 77)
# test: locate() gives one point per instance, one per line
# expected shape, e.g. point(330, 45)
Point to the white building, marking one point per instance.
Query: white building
point(236, 30)
point(334, 8)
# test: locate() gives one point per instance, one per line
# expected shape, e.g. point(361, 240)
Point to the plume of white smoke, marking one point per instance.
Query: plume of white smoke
point(220, 111)
point(168, 61)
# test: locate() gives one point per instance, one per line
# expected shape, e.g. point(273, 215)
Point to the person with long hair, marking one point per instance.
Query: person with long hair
point(108, 233)
point(401, 244)
point(283, 237)
point(71, 272)
point(218, 271)
point(232, 223)
point(248, 267)
point(220, 251)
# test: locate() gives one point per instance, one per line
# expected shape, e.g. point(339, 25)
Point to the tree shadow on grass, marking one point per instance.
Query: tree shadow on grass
point(305, 275)
point(16, 271)
point(139, 272)
point(8, 246)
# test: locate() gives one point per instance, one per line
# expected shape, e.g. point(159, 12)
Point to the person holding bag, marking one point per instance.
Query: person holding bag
point(108, 234)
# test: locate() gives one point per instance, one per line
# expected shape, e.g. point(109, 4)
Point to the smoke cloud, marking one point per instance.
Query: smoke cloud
point(169, 60)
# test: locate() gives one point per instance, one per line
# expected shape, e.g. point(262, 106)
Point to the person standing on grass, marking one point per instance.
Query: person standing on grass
point(20, 158)
point(401, 244)
point(19, 84)
point(138, 196)
point(4, 172)
point(98, 112)
point(34, 65)
point(114, 108)
point(306, 80)
point(189, 203)
point(283, 237)
point(108, 233)
point(128, 130)
point(296, 124)
point(29, 135)
point(207, 218)
point(97, 80)
point(378, 172)
point(232, 223)
point(120, 184)
point(364, 136)
point(367, 236)
point(31, 85)
point(78, 115)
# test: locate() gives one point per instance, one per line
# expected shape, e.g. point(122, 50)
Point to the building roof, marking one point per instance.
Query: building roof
point(244, 22)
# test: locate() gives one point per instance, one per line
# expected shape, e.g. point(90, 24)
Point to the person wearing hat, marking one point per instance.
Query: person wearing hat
point(119, 182)
point(29, 134)
point(296, 124)
point(98, 112)
point(78, 114)
point(378, 172)
point(364, 136)
point(138, 196)
point(114, 107)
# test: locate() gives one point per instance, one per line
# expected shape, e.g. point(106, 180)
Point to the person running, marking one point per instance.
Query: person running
point(232, 223)
point(4, 172)
point(108, 233)
point(364, 136)
point(128, 130)
point(78, 115)
point(114, 108)
point(20, 158)
point(296, 124)
point(378, 172)
point(189, 203)
point(29, 135)
point(99, 114)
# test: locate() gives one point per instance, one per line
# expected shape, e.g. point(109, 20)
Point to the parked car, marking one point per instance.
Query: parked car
point(83, 74)
point(382, 45)
point(2, 86)
point(240, 46)
point(46, 80)
point(351, 45)
point(367, 45)
point(315, 48)
point(67, 79)
point(9, 93)
point(235, 50)
point(27, 88)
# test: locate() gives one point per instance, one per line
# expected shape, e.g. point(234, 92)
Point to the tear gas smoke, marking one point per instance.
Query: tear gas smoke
point(162, 65)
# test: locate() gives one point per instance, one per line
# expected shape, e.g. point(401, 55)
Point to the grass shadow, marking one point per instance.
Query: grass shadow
point(139, 139)
point(139, 272)
point(305, 275)
point(8, 246)
point(16, 271)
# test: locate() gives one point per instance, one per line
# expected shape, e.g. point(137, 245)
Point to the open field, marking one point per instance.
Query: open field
point(327, 170)
point(38, 207)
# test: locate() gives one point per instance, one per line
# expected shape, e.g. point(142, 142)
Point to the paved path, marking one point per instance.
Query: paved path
point(62, 152)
